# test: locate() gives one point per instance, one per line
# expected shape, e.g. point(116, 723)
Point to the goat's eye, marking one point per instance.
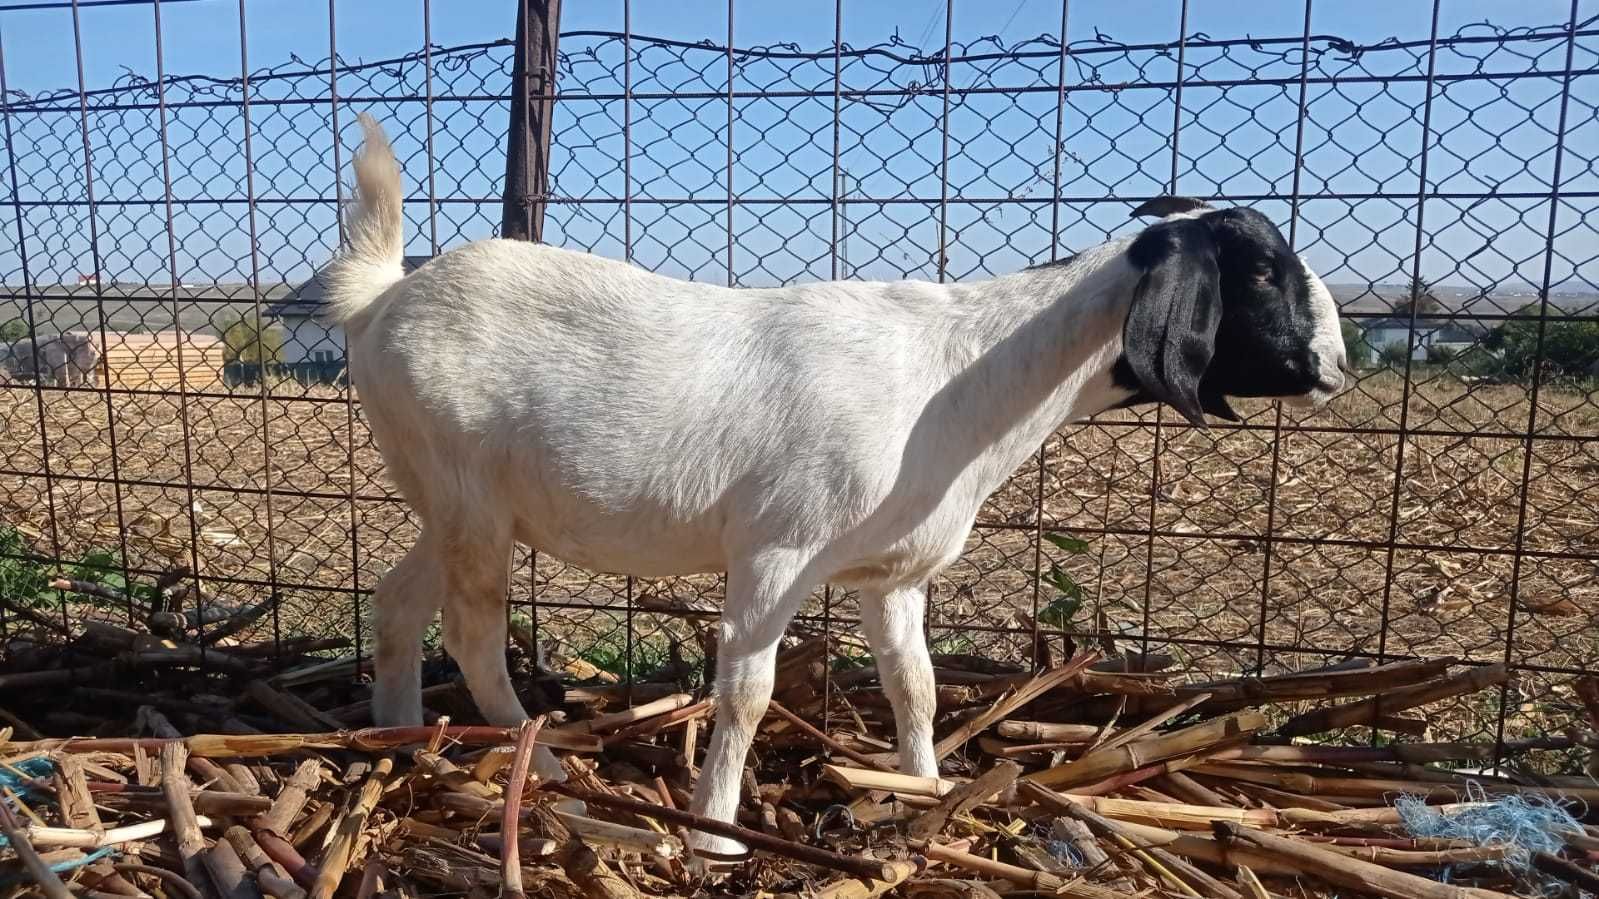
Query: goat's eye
point(1264, 271)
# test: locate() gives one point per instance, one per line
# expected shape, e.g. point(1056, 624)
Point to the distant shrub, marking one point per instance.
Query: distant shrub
point(1393, 355)
point(1570, 349)
point(13, 330)
point(1356, 348)
point(242, 342)
point(1478, 362)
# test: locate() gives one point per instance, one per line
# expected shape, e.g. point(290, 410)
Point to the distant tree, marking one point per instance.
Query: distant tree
point(1356, 349)
point(242, 342)
point(1570, 349)
point(13, 330)
point(1420, 298)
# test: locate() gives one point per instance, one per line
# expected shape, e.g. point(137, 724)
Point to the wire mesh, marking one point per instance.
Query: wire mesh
point(1444, 184)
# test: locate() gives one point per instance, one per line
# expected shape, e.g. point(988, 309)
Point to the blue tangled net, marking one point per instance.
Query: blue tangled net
point(1521, 825)
point(17, 779)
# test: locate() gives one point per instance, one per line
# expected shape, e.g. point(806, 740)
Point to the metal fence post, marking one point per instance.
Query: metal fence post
point(527, 145)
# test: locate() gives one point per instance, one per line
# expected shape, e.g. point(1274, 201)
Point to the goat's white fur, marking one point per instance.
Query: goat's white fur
point(1327, 343)
point(627, 422)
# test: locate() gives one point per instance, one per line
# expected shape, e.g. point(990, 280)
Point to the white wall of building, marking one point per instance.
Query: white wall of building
point(308, 340)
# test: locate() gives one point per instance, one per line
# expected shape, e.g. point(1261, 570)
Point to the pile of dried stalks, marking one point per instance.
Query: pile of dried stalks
point(244, 770)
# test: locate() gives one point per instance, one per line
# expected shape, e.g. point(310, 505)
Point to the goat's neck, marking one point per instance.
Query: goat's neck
point(1028, 353)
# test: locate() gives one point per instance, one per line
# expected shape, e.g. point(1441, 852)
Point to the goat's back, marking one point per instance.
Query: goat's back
point(614, 406)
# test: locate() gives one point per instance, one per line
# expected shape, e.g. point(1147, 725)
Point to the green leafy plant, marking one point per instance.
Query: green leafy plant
point(13, 330)
point(848, 658)
point(651, 652)
point(952, 644)
point(26, 580)
point(104, 567)
point(98, 565)
point(22, 580)
point(1059, 611)
point(609, 656)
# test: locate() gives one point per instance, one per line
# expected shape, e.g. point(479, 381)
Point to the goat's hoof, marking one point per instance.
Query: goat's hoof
point(714, 851)
point(711, 870)
point(704, 870)
point(391, 712)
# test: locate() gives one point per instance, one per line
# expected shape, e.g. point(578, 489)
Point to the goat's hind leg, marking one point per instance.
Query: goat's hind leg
point(406, 599)
point(761, 598)
point(477, 575)
point(893, 626)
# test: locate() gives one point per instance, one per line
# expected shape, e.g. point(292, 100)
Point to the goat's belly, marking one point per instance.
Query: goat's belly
point(912, 560)
point(643, 545)
point(891, 571)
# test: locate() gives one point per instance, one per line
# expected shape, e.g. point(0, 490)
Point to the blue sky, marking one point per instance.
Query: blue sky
point(1496, 243)
point(202, 36)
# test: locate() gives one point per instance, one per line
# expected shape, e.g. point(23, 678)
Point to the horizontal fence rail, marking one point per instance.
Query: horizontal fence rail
point(165, 236)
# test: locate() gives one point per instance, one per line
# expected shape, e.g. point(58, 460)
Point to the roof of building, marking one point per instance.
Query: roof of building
point(307, 298)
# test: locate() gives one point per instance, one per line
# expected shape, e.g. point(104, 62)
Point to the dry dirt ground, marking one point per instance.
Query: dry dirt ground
point(1192, 574)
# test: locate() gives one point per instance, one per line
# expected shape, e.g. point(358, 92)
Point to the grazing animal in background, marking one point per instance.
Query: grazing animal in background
point(841, 432)
point(18, 359)
point(82, 358)
point(69, 359)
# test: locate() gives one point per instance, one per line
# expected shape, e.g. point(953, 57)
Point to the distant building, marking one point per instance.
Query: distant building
point(1430, 336)
point(307, 338)
point(89, 280)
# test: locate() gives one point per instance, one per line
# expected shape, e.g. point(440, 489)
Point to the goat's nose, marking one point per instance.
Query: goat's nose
point(1334, 381)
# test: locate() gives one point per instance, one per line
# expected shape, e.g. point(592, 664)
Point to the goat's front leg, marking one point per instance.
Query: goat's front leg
point(760, 602)
point(893, 625)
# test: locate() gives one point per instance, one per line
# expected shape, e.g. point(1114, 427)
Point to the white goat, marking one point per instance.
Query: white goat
point(839, 433)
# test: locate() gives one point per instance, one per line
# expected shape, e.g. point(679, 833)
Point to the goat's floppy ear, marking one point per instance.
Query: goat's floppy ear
point(1160, 207)
point(1216, 404)
point(1170, 333)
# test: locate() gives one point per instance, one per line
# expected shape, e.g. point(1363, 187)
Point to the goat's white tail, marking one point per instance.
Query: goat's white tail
point(374, 223)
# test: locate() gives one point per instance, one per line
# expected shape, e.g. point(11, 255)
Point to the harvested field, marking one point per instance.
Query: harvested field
point(1207, 586)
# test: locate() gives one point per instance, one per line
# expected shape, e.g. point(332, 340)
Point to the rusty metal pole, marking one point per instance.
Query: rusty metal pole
point(527, 145)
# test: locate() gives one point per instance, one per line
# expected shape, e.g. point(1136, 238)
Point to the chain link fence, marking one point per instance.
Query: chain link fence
point(1443, 184)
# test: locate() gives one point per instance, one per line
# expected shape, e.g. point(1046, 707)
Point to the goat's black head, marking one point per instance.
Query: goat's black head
point(1223, 308)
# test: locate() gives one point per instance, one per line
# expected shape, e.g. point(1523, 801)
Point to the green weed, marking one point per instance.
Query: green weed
point(1059, 612)
point(25, 578)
